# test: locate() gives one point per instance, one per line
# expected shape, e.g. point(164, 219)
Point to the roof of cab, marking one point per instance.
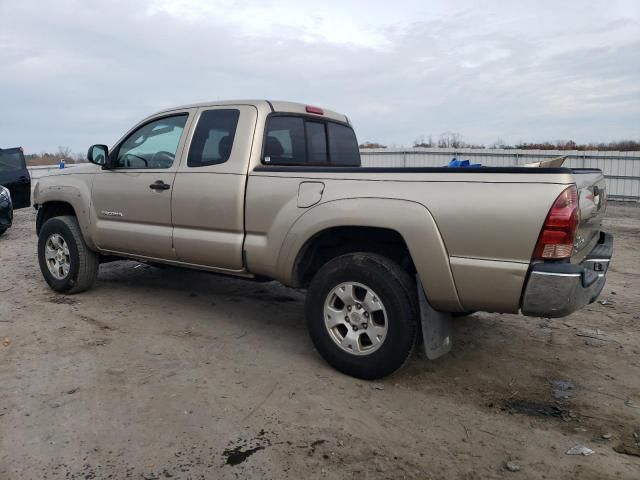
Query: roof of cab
point(275, 106)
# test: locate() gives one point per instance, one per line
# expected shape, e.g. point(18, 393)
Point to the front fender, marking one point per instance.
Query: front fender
point(410, 219)
point(68, 189)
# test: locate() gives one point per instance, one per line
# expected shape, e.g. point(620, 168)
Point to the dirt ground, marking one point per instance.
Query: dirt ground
point(169, 373)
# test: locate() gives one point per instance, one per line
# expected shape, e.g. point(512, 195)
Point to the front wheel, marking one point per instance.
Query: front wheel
point(362, 314)
point(66, 262)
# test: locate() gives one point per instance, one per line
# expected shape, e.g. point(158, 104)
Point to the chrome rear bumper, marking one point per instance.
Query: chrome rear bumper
point(558, 289)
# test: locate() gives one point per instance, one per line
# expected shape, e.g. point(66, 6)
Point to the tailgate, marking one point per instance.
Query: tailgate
point(592, 196)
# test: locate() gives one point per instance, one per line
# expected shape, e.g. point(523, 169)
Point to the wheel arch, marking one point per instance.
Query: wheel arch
point(405, 224)
point(52, 209)
point(58, 206)
point(339, 240)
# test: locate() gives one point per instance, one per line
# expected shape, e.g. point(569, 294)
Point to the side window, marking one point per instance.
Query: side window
point(213, 138)
point(343, 146)
point(316, 143)
point(285, 143)
point(153, 145)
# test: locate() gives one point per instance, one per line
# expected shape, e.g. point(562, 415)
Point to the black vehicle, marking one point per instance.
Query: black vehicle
point(6, 210)
point(14, 176)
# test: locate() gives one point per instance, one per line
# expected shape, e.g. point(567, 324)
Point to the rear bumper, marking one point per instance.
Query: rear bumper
point(558, 289)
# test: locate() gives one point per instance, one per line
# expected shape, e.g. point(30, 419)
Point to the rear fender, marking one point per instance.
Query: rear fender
point(410, 219)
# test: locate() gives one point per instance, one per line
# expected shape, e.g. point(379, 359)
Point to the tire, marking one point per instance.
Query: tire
point(2, 230)
point(378, 282)
point(82, 269)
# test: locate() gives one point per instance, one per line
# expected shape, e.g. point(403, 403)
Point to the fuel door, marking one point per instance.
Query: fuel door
point(309, 193)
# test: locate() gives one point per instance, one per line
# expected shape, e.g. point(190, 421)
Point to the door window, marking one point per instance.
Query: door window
point(153, 145)
point(213, 139)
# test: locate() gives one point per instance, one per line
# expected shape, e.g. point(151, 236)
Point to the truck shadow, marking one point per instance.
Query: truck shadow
point(497, 361)
point(210, 299)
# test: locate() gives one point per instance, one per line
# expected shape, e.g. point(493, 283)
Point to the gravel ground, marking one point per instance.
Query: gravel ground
point(169, 373)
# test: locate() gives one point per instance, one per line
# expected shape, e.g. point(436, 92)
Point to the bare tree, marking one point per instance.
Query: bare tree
point(64, 153)
point(499, 143)
point(372, 145)
point(450, 140)
point(421, 142)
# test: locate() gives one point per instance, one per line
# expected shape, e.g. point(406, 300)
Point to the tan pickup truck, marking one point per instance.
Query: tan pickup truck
point(275, 190)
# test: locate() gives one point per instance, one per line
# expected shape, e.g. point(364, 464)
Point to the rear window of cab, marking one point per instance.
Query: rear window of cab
point(305, 141)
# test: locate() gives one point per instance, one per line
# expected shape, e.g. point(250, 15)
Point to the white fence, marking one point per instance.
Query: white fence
point(44, 170)
point(621, 169)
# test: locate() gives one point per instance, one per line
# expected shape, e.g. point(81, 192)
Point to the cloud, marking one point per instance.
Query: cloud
point(77, 73)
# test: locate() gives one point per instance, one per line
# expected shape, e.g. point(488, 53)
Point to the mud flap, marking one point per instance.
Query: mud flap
point(437, 327)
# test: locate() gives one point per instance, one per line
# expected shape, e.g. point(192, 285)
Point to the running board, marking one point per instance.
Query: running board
point(437, 327)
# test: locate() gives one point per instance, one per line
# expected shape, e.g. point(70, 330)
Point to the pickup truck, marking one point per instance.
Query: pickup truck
point(275, 190)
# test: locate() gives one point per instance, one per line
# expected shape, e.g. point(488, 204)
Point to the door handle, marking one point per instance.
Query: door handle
point(159, 185)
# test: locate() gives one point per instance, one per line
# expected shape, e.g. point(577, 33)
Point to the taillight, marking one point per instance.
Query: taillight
point(559, 230)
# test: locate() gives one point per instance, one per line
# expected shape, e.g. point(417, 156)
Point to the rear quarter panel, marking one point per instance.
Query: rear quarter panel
point(471, 235)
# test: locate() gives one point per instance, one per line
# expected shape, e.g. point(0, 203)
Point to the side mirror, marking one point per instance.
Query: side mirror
point(98, 155)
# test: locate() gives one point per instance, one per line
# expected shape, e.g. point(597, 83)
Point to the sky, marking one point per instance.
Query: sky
point(74, 73)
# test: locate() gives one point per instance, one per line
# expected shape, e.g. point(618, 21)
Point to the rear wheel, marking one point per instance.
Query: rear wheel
point(66, 262)
point(362, 312)
point(2, 230)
